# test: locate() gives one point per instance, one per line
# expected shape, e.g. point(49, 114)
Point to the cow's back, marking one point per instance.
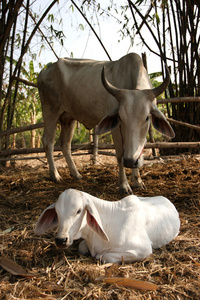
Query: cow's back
point(128, 73)
point(74, 86)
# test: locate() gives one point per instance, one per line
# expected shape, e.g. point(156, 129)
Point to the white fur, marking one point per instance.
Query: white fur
point(128, 228)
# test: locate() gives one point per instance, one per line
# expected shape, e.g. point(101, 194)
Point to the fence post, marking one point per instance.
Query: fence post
point(95, 146)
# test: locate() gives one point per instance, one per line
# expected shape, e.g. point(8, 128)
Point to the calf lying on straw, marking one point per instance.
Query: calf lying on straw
point(128, 228)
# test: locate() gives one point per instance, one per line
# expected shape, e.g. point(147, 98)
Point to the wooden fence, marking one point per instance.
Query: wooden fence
point(95, 147)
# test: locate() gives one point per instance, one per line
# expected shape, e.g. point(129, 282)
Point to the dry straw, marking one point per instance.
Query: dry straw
point(173, 272)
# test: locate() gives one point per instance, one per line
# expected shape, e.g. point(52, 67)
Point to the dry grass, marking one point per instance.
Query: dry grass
point(25, 191)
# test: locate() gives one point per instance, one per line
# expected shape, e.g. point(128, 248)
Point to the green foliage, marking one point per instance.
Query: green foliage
point(106, 139)
point(155, 75)
point(27, 106)
point(56, 33)
point(157, 18)
point(81, 134)
point(81, 26)
point(51, 18)
point(153, 78)
point(72, 7)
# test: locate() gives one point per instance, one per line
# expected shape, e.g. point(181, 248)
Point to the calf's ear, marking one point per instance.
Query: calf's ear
point(47, 220)
point(108, 123)
point(160, 123)
point(94, 221)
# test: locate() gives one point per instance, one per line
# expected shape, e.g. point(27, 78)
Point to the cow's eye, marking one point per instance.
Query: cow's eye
point(78, 211)
point(147, 118)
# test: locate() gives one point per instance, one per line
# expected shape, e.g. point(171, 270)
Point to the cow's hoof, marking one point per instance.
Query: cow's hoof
point(125, 189)
point(140, 185)
point(76, 176)
point(56, 179)
point(143, 186)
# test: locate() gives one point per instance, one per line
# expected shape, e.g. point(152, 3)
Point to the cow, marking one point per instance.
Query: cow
point(128, 228)
point(116, 96)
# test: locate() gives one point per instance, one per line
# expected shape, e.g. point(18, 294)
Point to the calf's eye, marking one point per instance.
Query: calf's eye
point(78, 211)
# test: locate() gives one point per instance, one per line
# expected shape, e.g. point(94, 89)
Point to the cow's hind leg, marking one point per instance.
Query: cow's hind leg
point(66, 135)
point(48, 143)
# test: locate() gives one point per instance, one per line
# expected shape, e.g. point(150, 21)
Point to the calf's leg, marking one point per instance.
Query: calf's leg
point(83, 248)
point(126, 256)
point(140, 249)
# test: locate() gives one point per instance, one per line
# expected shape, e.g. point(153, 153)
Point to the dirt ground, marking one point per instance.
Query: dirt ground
point(25, 191)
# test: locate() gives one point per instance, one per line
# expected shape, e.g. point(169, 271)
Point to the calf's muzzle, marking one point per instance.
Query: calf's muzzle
point(61, 243)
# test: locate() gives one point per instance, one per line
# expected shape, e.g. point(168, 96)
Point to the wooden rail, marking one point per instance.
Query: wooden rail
point(178, 100)
point(21, 129)
point(94, 146)
point(89, 146)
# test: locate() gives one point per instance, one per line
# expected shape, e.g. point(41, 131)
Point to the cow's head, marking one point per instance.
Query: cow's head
point(70, 213)
point(136, 109)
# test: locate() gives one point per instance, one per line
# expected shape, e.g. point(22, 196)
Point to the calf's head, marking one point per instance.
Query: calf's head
point(136, 109)
point(71, 213)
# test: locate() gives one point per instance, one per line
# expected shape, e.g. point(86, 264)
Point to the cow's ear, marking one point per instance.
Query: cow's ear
point(108, 123)
point(94, 221)
point(160, 123)
point(47, 220)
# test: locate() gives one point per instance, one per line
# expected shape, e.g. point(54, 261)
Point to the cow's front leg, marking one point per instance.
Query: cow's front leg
point(124, 187)
point(66, 135)
point(135, 176)
point(136, 179)
point(48, 143)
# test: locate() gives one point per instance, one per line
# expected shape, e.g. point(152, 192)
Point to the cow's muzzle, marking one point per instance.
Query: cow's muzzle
point(61, 243)
point(130, 163)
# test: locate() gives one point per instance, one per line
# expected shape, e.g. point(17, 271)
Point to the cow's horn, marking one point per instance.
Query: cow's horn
point(108, 86)
point(161, 88)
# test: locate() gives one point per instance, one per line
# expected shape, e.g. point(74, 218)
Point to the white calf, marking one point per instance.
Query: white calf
point(128, 228)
